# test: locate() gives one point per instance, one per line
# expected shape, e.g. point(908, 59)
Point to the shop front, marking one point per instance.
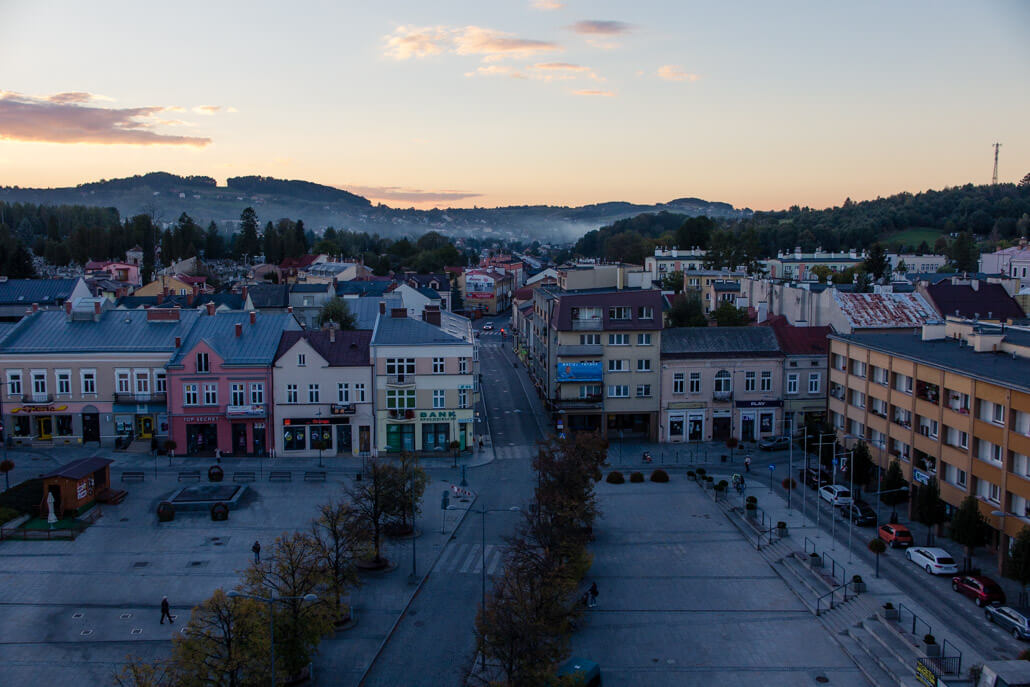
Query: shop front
point(427, 431)
point(757, 419)
point(147, 421)
point(332, 436)
point(200, 433)
point(685, 422)
point(58, 423)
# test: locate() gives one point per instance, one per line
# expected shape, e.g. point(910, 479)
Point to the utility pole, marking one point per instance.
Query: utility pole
point(994, 179)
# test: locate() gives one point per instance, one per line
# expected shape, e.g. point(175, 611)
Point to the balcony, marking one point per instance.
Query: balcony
point(129, 398)
point(399, 381)
point(401, 414)
point(584, 403)
point(37, 399)
point(588, 325)
point(722, 395)
point(928, 392)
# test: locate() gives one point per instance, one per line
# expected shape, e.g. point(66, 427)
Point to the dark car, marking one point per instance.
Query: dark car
point(814, 478)
point(774, 443)
point(860, 514)
point(982, 590)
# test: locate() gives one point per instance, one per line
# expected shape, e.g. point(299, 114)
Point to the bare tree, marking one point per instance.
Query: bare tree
point(224, 644)
point(371, 502)
point(337, 545)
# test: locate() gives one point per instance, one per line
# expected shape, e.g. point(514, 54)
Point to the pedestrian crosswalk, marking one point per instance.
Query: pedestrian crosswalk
point(467, 559)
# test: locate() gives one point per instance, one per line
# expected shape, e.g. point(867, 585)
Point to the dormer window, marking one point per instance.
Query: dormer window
point(202, 363)
point(301, 360)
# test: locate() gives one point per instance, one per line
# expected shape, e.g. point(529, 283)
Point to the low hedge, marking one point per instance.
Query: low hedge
point(659, 475)
point(7, 514)
point(636, 477)
point(615, 477)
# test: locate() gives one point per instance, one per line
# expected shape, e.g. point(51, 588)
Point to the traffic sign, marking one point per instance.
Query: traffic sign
point(771, 466)
point(836, 462)
point(561, 435)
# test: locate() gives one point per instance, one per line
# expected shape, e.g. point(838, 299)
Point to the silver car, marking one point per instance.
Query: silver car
point(1009, 618)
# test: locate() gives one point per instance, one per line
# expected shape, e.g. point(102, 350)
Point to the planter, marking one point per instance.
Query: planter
point(858, 587)
point(781, 531)
point(752, 514)
point(815, 561)
point(215, 474)
point(932, 650)
point(165, 512)
point(891, 613)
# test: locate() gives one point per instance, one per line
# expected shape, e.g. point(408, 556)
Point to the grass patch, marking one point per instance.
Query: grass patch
point(914, 236)
point(7, 514)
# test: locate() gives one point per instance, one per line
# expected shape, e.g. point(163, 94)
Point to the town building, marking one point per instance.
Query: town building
point(720, 382)
point(973, 299)
point(805, 372)
point(916, 264)
point(591, 274)
point(219, 381)
point(426, 385)
point(1013, 261)
point(307, 300)
point(124, 272)
point(89, 373)
point(18, 295)
point(487, 291)
point(181, 284)
point(952, 402)
point(665, 261)
point(323, 393)
point(798, 265)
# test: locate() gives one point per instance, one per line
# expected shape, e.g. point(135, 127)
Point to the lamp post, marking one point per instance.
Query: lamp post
point(818, 481)
point(1001, 541)
point(482, 513)
point(414, 533)
point(321, 437)
point(233, 594)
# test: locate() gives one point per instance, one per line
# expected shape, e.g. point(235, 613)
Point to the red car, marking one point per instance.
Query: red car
point(895, 535)
point(982, 590)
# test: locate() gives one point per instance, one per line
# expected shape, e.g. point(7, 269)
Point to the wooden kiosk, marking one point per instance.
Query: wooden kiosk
point(76, 486)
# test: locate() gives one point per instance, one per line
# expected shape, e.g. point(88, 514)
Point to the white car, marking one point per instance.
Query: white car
point(835, 495)
point(933, 560)
point(488, 327)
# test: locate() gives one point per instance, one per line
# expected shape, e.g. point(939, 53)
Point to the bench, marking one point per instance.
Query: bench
point(314, 476)
point(280, 476)
point(243, 476)
point(111, 496)
point(132, 476)
point(189, 475)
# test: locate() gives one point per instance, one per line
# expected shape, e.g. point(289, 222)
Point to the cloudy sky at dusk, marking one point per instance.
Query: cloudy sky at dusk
point(457, 103)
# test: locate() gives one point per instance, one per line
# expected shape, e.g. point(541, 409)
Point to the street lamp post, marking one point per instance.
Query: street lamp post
point(233, 594)
point(482, 513)
point(321, 436)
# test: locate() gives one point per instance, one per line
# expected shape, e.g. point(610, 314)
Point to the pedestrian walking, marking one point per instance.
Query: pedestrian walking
point(593, 594)
point(747, 463)
point(257, 551)
point(166, 611)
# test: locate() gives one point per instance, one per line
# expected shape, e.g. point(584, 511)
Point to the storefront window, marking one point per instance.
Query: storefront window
point(294, 438)
point(400, 437)
point(123, 424)
point(22, 426)
point(435, 437)
point(63, 425)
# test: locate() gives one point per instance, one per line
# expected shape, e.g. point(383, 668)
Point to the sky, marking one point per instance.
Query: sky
point(510, 102)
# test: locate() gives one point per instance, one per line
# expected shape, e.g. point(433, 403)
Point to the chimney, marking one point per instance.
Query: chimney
point(68, 308)
point(332, 332)
point(196, 290)
point(289, 309)
point(96, 307)
point(253, 317)
point(239, 330)
point(164, 291)
point(244, 294)
point(190, 296)
point(398, 313)
point(178, 341)
point(382, 307)
point(211, 308)
point(431, 314)
point(35, 307)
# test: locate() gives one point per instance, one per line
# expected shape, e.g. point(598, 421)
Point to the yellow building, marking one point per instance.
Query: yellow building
point(952, 402)
point(177, 284)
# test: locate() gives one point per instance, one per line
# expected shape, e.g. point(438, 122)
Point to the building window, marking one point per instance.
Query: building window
point(257, 394)
point(312, 393)
point(210, 394)
point(643, 391)
point(359, 393)
point(589, 391)
point(14, 383)
point(202, 363)
point(617, 365)
point(400, 399)
point(961, 478)
point(645, 312)
point(643, 339)
point(302, 360)
point(695, 382)
point(291, 393)
point(463, 398)
point(749, 381)
point(644, 365)
point(160, 381)
point(64, 382)
point(89, 382)
point(677, 382)
point(618, 339)
point(766, 381)
point(620, 313)
point(792, 383)
point(237, 395)
point(294, 438)
point(343, 392)
point(189, 395)
point(723, 382)
point(463, 366)
point(589, 339)
point(439, 397)
point(618, 391)
point(122, 384)
point(142, 382)
point(815, 381)
point(438, 366)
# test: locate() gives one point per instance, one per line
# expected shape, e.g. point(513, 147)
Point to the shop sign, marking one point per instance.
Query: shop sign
point(759, 404)
point(687, 405)
point(245, 411)
point(200, 419)
point(343, 409)
point(84, 488)
point(49, 408)
point(437, 415)
point(920, 476)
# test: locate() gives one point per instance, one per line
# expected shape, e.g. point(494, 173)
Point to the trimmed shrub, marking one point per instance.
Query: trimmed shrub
point(701, 472)
point(889, 606)
point(781, 525)
point(659, 475)
point(691, 475)
point(752, 500)
point(722, 485)
point(636, 477)
point(856, 578)
point(615, 477)
point(929, 639)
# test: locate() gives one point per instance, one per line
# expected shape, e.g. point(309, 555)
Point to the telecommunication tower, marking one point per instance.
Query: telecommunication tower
point(994, 179)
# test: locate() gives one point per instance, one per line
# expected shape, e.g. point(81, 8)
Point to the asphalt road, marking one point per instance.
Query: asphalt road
point(436, 632)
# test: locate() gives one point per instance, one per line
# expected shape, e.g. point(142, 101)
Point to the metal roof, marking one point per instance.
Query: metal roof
point(362, 288)
point(406, 331)
point(269, 295)
point(885, 310)
point(77, 469)
point(256, 345)
point(115, 331)
point(719, 342)
point(42, 291)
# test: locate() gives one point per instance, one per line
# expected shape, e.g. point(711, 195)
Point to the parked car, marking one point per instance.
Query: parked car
point(859, 513)
point(933, 560)
point(583, 672)
point(813, 477)
point(1009, 618)
point(774, 443)
point(488, 327)
point(983, 590)
point(835, 495)
point(895, 535)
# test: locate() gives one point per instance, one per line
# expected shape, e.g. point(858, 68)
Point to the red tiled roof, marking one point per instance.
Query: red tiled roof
point(796, 340)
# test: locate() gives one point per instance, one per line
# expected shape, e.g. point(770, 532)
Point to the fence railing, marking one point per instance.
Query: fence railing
point(834, 568)
point(829, 598)
point(809, 542)
point(917, 622)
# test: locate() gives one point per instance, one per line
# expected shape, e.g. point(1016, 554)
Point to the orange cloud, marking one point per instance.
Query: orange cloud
point(64, 118)
point(497, 70)
point(426, 41)
point(671, 72)
point(547, 4)
point(591, 91)
point(212, 109)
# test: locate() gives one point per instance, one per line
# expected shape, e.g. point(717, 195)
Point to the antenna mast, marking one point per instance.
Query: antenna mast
point(994, 179)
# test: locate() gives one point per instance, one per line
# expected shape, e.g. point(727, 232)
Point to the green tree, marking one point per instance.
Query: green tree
point(822, 272)
point(729, 315)
point(673, 281)
point(968, 527)
point(877, 546)
point(929, 508)
point(1018, 563)
point(371, 500)
point(336, 310)
point(695, 232)
point(876, 263)
point(894, 484)
point(862, 464)
point(964, 253)
point(224, 644)
point(687, 311)
point(337, 545)
point(406, 493)
point(902, 268)
point(214, 244)
point(248, 243)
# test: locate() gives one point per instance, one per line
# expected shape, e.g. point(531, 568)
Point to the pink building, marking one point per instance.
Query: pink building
point(119, 271)
point(220, 384)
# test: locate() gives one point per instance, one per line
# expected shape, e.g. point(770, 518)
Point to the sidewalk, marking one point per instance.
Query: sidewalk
point(803, 534)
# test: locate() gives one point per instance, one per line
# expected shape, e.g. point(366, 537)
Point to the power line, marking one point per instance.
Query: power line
point(994, 179)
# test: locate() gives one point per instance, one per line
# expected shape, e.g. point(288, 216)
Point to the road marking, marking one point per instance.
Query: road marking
point(470, 560)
